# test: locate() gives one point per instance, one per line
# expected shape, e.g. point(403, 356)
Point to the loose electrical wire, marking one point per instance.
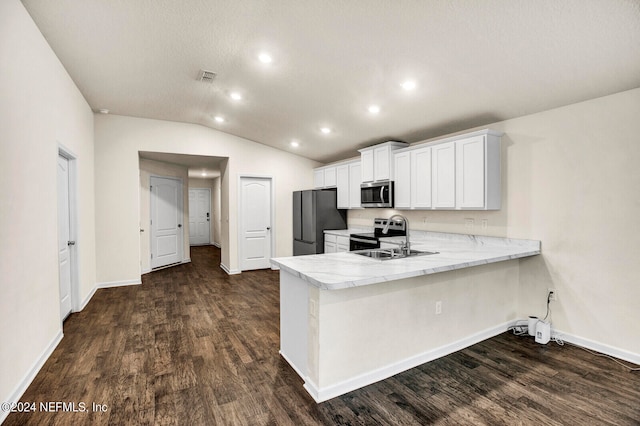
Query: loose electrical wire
point(561, 342)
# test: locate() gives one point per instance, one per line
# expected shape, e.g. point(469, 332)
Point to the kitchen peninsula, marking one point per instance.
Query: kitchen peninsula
point(347, 321)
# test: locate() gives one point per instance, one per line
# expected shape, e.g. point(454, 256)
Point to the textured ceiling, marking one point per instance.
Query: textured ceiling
point(474, 62)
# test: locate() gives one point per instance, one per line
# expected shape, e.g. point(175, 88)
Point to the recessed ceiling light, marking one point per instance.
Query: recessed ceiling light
point(235, 96)
point(374, 109)
point(265, 58)
point(103, 111)
point(294, 144)
point(409, 85)
point(219, 119)
point(204, 173)
point(325, 130)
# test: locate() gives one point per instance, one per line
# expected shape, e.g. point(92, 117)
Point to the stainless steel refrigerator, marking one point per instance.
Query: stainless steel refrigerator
point(314, 211)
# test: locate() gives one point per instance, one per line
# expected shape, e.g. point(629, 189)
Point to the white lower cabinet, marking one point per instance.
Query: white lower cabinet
point(342, 243)
point(330, 243)
point(335, 243)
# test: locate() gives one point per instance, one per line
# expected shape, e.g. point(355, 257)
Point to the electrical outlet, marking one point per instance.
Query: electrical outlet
point(554, 295)
point(468, 223)
point(424, 220)
point(438, 307)
point(485, 223)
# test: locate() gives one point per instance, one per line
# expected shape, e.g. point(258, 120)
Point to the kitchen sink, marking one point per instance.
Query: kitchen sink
point(388, 254)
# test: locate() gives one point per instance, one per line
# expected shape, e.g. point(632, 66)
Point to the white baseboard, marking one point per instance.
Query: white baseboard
point(119, 283)
point(216, 244)
point(145, 271)
point(598, 347)
point(321, 394)
point(31, 374)
point(229, 271)
point(86, 300)
point(187, 260)
point(275, 267)
point(300, 373)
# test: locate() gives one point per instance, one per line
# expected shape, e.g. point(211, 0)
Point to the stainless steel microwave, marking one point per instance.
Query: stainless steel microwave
point(376, 194)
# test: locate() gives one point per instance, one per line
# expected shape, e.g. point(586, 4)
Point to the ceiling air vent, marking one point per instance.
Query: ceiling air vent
point(206, 76)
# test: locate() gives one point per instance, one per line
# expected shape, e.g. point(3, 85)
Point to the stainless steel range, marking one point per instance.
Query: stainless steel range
point(371, 240)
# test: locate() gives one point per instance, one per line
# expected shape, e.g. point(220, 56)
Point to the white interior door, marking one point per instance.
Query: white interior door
point(64, 241)
point(166, 221)
point(199, 216)
point(255, 223)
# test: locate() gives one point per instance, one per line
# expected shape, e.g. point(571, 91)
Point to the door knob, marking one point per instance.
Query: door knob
point(179, 225)
point(268, 228)
point(71, 243)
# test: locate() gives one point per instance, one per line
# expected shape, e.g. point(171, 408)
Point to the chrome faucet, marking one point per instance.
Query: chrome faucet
point(406, 248)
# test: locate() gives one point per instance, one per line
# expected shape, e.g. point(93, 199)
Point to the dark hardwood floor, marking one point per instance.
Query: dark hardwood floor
point(193, 346)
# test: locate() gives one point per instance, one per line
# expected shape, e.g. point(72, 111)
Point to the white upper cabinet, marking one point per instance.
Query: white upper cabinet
point(342, 176)
point(345, 177)
point(421, 178)
point(382, 163)
point(478, 173)
point(377, 161)
point(366, 161)
point(318, 178)
point(457, 173)
point(330, 179)
point(412, 189)
point(325, 177)
point(355, 179)
point(443, 174)
point(402, 182)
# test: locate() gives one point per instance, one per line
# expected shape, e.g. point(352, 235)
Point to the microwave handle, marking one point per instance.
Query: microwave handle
point(382, 194)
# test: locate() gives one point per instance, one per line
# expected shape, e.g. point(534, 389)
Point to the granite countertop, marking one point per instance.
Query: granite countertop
point(336, 271)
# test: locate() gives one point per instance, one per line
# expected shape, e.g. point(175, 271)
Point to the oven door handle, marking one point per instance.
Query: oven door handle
point(360, 240)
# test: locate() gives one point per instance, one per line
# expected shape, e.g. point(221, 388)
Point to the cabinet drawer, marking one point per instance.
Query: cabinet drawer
point(330, 238)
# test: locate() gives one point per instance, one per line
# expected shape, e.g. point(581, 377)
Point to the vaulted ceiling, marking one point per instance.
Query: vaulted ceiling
point(472, 63)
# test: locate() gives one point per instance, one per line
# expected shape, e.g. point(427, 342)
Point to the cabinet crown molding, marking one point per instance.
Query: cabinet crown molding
point(395, 144)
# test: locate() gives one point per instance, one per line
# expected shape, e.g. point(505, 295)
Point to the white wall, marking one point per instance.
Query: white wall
point(150, 168)
point(571, 177)
point(118, 140)
point(40, 107)
point(393, 322)
point(213, 184)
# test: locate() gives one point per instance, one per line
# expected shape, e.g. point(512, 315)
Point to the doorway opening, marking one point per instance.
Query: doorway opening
point(195, 172)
